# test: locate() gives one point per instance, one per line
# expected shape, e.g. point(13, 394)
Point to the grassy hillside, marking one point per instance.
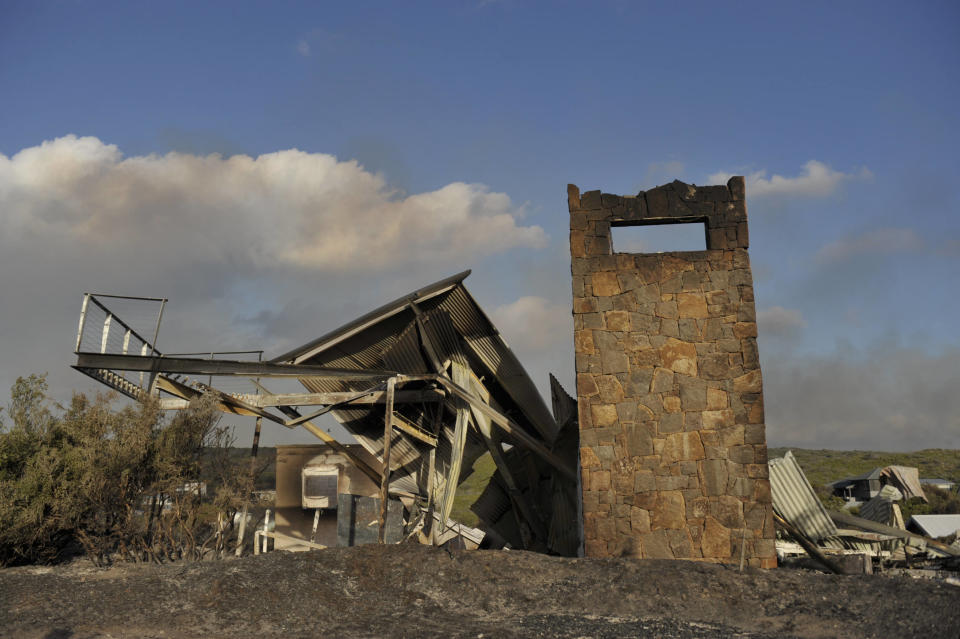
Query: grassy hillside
point(470, 490)
point(824, 466)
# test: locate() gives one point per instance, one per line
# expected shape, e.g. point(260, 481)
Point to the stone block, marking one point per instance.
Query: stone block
point(588, 458)
point(583, 341)
point(754, 434)
point(662, 381)
point(644, 481)
point(717, 419)
point(609, 388)
point(731, 435)
point(679, 356)
point(599, 480)
point(689, 330)
point(597, 245)
point(683, 446)
point(590, 200)
point(586, 385)
point(668, 310)
point(670, 511)
point(605, 284)
point(671, 482)
point(670, 423)
point(715, 366)
point(656, 545)
point(603, 415)
point(715, 541)
point(671, 404)
point(639, 520)
point(728, 511)
point(751, 382)
point(669, 328)
point(713, 477)
point(742, 454)
point(745, 329)
point(638, 382)
point(692, 305)
point(716, 399)
point(617, 320)
point(613, 362)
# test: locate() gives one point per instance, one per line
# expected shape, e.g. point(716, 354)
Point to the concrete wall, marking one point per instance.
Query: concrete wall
point(673, 450)
point(292, 519)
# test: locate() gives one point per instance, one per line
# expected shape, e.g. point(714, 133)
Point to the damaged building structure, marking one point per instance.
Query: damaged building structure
point(425, 384)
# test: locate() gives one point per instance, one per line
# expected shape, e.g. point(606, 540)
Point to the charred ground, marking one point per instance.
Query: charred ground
point(417, 591)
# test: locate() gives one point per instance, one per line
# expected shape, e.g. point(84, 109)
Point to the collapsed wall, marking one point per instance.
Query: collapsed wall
point(673, 452)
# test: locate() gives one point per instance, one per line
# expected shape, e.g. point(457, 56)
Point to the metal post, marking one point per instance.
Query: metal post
point(106, 334)
point(385, 480)
point(156, 332)
point(316, 524)
point(266, 529)
point(83, 320)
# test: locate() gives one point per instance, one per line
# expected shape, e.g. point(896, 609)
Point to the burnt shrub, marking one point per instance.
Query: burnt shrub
point(109, 482)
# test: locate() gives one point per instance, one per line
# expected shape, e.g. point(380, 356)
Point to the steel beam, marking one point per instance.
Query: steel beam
point(193, 366)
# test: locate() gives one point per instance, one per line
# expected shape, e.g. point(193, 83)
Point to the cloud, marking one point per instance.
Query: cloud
point(253, 252)
point(288, 208)
point(535, 322)
point(540, 332)
point(816, 179)
point(303, 48)
point(886, 397)
point(781, 322)
point(883, 241)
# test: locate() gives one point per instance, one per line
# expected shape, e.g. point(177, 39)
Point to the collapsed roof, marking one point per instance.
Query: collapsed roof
point(438, 366)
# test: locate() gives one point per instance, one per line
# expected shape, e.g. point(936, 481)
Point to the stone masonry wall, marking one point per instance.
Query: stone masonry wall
point(673, 451)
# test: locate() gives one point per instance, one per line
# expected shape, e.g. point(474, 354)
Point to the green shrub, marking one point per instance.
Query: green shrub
point(107, 481)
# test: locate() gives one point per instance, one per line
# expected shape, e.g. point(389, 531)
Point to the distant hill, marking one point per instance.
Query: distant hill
point(266, 464)
point(824, 466)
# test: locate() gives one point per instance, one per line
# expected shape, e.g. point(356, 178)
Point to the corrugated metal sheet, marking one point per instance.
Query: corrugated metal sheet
point(795, 501)
point(936, 525)
point(906, 478)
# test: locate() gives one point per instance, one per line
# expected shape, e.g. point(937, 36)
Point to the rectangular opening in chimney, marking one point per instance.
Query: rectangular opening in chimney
point(659, 237)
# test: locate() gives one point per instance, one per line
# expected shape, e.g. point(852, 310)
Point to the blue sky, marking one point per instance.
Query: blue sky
point(465, 121)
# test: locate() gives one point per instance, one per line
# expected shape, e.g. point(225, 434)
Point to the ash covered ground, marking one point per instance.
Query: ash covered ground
point(419, 591)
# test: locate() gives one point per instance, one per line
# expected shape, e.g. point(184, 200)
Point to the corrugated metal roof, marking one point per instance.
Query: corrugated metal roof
point(301, 353)
point(458, 329)
point(936, 526)
point(795, 501)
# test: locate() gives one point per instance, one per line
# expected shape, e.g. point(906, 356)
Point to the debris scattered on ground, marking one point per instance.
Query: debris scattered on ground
point(411, 590)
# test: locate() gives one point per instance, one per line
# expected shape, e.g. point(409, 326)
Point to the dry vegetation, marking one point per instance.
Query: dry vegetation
point(113, 484)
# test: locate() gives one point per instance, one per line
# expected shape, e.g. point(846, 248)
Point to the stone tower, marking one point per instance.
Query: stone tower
point(673, 452)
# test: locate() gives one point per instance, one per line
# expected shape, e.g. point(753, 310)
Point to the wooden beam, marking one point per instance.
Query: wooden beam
point(410, 429)
point(385, 480)
point(323, 399)
point(514, 430)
